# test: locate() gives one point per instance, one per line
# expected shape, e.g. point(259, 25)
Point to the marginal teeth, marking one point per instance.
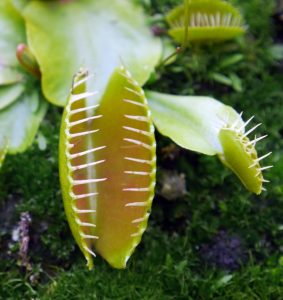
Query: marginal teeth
point(89, 251)
point(202, 19)
point(229, 17)
point(198, 19)
point(244, 126)
point(78, 97)
point(236, 123)
point(75, 111)
point(263, 157)
point(256, 140)
point(256, 161)
point(251, 130)
point(85, 79)
point(249, 148)
point(206, 20)
point(84, 211)
point(85, 224)
point(212, 21)
point(192, 23)
point(224, 20)
point(265, 168)
point(87, 236)
point(217, 19)
point(236, 21)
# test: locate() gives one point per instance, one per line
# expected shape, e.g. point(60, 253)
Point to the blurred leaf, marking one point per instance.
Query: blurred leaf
point(9, 94)
point(221, 78)
point(19, 4)
point(41, 141)
point(230, 60)
point(98, 34)
point(19, 124)
point(21, 111)
point(276, 51)
point(12, 32)
point(233, 80)
point(223, 281)
point(9, 75)
point(236, 82)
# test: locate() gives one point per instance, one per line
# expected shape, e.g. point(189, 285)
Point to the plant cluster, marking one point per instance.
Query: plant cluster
point(107, 145)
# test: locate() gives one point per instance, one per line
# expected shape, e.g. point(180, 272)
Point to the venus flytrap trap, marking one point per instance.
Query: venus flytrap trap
point(107, 167)
point(205, 20)
point(239, 154)
point(207, 126)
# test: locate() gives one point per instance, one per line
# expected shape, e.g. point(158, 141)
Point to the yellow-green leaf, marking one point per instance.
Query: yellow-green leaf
point(107, 167)
point(100, 34)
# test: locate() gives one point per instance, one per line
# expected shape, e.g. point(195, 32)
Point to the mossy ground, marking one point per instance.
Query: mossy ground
point(216, 242)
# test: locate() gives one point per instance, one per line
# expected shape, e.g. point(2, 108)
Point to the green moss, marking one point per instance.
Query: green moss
point(32, 179)
point(169, 263)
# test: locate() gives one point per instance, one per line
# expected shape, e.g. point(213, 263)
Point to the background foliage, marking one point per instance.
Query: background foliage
point(208, 238)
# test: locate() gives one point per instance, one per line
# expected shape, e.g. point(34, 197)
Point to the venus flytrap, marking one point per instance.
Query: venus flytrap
point(198, 21)
point(207, 126)
point(239, 154)
point(108, 163)
point(107, 146)
point(107, 167)
point(22, 107)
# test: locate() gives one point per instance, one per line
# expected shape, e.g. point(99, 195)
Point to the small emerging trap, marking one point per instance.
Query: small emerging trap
point(204, 21)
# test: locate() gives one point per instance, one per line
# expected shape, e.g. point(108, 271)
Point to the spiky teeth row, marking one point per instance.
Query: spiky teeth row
point(240, 155)
point(199, 19)
point(205, 20)
point(108, 167)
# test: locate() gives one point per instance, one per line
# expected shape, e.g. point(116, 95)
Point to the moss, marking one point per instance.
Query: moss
point(169, 264)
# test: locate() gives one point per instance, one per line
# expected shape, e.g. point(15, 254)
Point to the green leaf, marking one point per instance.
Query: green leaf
point(236, 82)
point(9, 75)
point(12, 32)
point(192, 122)
point(19, 4)
point(221, 78)
point(276, 51)
point(223, 281)
point(9, 94)
point(99, 34)
point(19, 123)
point(20, 112)
point(230, 60)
